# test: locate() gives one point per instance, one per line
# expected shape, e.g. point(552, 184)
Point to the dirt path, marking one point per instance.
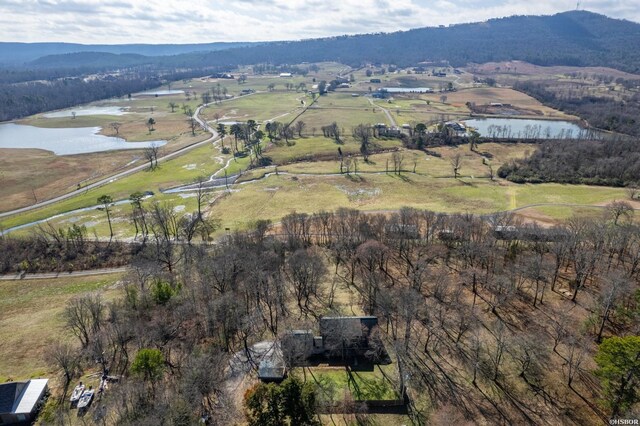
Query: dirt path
point(52, 275)
point(386, 111)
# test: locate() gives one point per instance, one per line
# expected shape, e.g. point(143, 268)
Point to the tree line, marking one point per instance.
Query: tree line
point(611, 163)
point(601, 112)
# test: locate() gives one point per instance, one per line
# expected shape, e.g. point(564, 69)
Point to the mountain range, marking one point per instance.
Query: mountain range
point(576, 38)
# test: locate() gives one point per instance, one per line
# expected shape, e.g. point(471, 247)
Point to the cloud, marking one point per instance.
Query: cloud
point(199, 21)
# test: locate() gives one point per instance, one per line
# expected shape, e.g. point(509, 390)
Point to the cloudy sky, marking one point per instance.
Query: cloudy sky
point(199, 21)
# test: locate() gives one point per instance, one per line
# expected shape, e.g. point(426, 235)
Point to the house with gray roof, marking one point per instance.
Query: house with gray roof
point(21, 401)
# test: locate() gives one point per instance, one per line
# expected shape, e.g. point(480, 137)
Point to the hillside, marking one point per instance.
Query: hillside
point(574, 38)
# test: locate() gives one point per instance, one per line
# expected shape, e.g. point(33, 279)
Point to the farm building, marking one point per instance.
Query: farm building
point(21, 401)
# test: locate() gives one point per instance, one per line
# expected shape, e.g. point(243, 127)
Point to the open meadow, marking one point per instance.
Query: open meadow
point(31, 319)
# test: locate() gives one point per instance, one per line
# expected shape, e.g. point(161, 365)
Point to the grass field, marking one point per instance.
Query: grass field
point(184, 169)
point(259, 107)
point(30, 319)
point(362, 385)
point(310, 186)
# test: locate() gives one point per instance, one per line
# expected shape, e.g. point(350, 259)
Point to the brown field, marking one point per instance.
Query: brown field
point(34, 307)
point(525, 68)
point(488, 95)
point(28, 175)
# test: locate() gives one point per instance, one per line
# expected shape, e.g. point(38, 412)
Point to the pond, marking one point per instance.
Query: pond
point(109, 110)
point(161, 93)
point(408, 89)
point(530, 129)
point(65, 141)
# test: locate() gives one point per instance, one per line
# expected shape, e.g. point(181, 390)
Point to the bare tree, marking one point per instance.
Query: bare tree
point(305, 271)
point(618, 210)
point(63, 356)
point(300, 126)
point(115, 126)
point(83, 316)
point(106, 201)
point(151, 154)
point(615, 290)
point(456, 163)
point(363, 133)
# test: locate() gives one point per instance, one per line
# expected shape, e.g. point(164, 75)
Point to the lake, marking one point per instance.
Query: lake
point(65, 141)
point(109, 110)
point(161, 93)
point(408, 89)
point(529, 129)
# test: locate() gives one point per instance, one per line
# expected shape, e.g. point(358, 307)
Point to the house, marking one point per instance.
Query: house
point(21, 401)
point(342, 339)
point(458, 128)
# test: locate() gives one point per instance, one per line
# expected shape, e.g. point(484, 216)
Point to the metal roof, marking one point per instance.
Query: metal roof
point(30, 396)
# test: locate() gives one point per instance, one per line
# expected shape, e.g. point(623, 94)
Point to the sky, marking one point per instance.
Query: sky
point(206, 21)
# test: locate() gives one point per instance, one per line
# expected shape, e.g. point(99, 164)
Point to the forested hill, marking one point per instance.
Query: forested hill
point(570, 38)
point(575, 38)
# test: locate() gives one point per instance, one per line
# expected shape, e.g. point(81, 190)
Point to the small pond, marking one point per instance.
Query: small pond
point(109, 110)
point(408, 89)
point(65, 141)
point(529, 129)
point(161, 93)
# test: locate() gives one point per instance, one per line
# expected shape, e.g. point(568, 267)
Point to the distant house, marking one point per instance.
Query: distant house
point(458, 128)
point(222, 75)
point(286, 74)
point(21, 401)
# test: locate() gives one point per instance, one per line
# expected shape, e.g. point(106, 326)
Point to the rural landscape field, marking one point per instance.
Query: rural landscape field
point(430, 226)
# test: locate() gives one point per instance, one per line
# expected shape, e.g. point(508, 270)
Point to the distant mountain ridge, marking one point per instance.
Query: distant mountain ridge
point(22, 53)
point(576, 38)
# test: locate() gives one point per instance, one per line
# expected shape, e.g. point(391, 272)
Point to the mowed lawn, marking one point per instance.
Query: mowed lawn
point(31, 319)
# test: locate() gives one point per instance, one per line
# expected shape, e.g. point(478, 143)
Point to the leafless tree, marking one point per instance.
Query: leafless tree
point(362, 133)
point(115, 126)
point(151, 154)
point(300, 126)
point(63, 356)
point(83, 317)
point(305, 271)
point(615, 290)
point(619, 210)
point(456, 163)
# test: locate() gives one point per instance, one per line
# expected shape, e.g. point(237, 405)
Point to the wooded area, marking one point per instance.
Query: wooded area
point(485, 317)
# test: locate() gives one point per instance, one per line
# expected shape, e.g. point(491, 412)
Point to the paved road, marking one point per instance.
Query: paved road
point(141, 167)
point(51, 275)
